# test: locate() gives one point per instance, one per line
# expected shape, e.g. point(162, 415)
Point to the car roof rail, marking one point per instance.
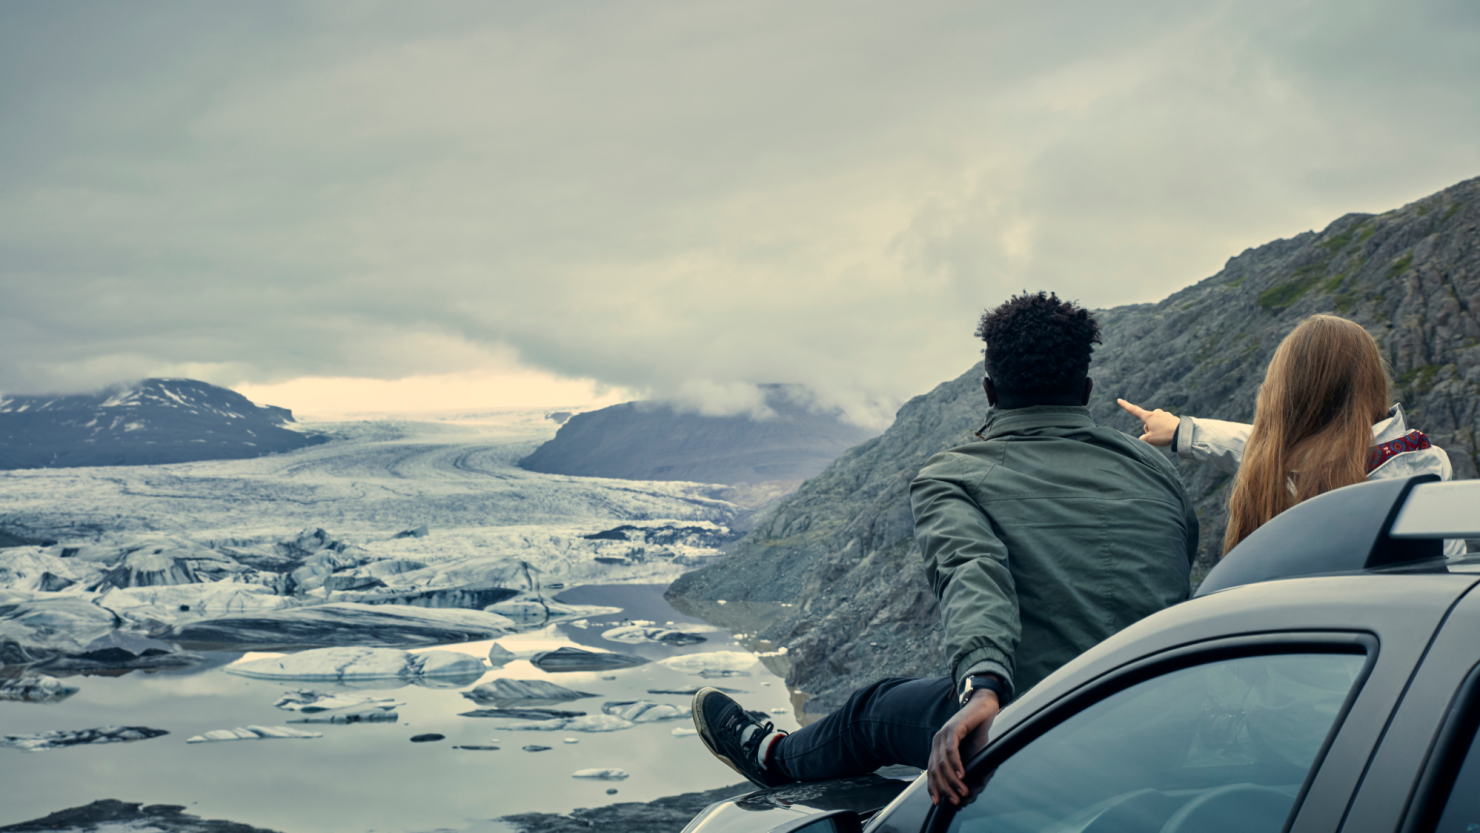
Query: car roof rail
point(1360, 527)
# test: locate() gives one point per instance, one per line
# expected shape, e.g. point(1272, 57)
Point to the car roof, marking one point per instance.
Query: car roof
point(1365, 526)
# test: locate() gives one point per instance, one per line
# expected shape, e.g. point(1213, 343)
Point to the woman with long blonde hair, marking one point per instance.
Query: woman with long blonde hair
point(1322, 421)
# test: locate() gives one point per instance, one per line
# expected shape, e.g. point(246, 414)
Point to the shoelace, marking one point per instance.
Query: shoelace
point(752, 735)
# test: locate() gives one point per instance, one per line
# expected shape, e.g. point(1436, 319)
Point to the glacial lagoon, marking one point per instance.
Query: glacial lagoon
point(593, 555)
point(369, 776)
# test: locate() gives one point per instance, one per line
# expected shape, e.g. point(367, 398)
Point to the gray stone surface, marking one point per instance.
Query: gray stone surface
point(840, 549)
point(665, 815)
point(113, 815)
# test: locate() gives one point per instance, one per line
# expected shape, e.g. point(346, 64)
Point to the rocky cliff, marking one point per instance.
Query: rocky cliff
point(661, 441)
point(152, 422)
point(840, 550)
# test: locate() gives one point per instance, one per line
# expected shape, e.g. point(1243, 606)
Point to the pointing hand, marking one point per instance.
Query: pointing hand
point(1157, 426)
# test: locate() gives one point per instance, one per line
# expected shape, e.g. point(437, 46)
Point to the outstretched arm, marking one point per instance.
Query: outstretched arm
point(1157, 427)
point(1212, 441)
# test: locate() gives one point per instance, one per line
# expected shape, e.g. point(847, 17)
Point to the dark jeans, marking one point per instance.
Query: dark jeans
point(889, 722)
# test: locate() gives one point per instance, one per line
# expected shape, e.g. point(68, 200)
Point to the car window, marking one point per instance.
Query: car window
point(1462, 810)
point(1461, 813)
point(1224, 745)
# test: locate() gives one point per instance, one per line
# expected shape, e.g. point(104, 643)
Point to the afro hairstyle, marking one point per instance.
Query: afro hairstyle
point(1038, 345)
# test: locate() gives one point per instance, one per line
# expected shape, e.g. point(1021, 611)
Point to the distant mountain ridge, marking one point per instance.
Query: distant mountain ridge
point(152, 422)
point(662, 441)
point(841, 548)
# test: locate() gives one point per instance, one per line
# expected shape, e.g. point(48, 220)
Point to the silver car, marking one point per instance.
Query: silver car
point(1325, 677)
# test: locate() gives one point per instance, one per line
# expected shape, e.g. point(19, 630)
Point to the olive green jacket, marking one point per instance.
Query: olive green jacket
point(1047, 538)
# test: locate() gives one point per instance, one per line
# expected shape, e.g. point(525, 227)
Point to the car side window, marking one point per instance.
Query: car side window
point(1226, 745)
point(1462, 809)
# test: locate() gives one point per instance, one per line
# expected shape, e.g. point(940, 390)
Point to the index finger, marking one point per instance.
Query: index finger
point(1135, 410)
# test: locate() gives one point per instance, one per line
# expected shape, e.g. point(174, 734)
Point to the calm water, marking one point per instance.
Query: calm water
point(370, 777)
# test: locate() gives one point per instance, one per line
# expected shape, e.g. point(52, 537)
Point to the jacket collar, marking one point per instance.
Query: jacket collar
point(1001, 421)
point(1395, 426)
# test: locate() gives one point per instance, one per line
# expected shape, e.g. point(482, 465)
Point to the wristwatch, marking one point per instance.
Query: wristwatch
point(976, 682)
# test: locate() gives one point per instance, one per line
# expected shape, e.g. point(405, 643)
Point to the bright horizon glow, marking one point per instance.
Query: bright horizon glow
point(331, 398)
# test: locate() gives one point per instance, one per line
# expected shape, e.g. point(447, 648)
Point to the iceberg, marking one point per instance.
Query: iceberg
point(723, 663)
point(359, 663)
point(253, 733)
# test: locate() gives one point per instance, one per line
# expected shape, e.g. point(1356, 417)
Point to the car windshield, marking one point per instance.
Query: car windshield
point(1197, 749)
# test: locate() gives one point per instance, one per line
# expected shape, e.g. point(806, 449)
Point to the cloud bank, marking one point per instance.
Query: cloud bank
point(680, 199)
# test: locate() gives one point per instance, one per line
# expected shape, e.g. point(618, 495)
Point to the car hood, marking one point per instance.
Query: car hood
point(765, 810)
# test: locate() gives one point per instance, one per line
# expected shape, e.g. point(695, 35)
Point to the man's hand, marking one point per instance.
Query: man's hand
point(967, 728)
point(1157, 427)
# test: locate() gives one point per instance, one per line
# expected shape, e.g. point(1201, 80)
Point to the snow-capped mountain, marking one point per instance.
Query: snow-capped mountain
point(153, 421)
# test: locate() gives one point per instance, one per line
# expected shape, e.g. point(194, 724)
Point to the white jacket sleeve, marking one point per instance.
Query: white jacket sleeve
point(1212, 441)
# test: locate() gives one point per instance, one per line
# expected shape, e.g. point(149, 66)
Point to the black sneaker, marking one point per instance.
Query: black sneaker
point(734, 735)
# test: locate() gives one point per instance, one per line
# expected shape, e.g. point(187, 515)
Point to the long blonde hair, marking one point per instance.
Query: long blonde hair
point(1325, 387)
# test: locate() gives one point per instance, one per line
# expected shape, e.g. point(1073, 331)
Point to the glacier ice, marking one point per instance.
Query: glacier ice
point(253, 733)
point(721, 662)
point(359, 663)
point(525, 692)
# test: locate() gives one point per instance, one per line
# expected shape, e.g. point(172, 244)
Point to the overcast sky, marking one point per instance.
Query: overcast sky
point(564, 202)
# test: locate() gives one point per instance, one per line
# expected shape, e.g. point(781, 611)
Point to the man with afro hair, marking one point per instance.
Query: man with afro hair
point(1046, 537)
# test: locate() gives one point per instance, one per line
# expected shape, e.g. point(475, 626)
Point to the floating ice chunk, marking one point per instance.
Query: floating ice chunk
point(360, 663)
point(572, 740)
point(710, 675)
point(780, 711)
point(534, 608)
point(683, 731)
point(523, 714)
point(254, 733)
point(371, 716)
point(721, 661)
point(677, 635)
point(429, 737)
point(690, 691)
point(309, 702)
point(600, 774)
point(347, 624)
point(643, 711)
point(81, 737)
point(576, 659)
point(499, 656)
point(524, 691)
point(534, 748)
point(172, 603)
point(448, 664)
point(35, 689)
point(591, 723)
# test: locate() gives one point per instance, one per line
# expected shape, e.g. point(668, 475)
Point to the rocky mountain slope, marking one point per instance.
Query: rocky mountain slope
point(155, 421)
point(840, 549)
point(659, 441)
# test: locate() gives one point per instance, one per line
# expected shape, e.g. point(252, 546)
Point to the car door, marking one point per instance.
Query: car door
point(1425, 774)
point(1228, 731)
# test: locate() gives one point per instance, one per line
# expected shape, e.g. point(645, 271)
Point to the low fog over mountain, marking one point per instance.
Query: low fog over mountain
point(662, 441)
